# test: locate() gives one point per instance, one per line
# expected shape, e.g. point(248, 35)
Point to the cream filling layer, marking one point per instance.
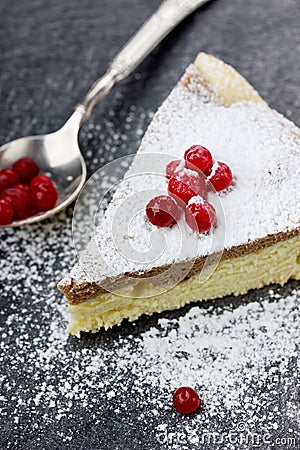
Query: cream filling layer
point(235, 276)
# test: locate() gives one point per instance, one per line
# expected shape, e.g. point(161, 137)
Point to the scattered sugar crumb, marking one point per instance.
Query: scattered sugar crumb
point(56, 390)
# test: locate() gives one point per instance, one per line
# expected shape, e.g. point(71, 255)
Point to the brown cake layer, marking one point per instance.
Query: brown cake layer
point(79, 292)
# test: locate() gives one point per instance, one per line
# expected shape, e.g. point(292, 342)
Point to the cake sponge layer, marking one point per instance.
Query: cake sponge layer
point(274, 264)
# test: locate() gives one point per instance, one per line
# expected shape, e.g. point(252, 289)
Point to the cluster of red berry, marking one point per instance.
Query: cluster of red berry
point(24, 193)
point(189, 182)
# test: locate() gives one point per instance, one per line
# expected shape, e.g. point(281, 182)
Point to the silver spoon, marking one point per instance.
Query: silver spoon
point(58, 153)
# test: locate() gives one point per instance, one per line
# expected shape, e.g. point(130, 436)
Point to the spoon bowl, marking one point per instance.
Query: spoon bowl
point(58, 156)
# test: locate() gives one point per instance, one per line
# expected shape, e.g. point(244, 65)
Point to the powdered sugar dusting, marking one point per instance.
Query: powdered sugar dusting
point(185, 172)
point(180, 166)
point(239, 359)
point(196, 199)
point(240, 354)
point(213, 170)
point(257, 143)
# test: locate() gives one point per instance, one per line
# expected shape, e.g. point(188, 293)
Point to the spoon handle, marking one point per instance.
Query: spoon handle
point(168, 15)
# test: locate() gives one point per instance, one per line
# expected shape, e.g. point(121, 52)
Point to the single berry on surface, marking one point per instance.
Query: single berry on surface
point(163, 211)
point(185, 185)
point(173, 166)
point(44, 197)
point(6, 212)
point(8, 178)
point(200, 215)
point(186, 400)
point(199, 158)
point(221, 176)
point(21, 202)
point(42, 179)
point(26, 169)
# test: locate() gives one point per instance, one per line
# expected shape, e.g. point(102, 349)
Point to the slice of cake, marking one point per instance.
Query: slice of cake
point(131, 267)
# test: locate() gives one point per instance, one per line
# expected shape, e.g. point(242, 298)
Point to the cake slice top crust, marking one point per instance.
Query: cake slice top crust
point(228, 84)
point(216, 107)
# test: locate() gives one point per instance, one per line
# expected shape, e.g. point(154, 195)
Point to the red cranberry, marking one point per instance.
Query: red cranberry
point(199, 158)
point(20, 200)
point(22, 188)
point(200, 215)
point(185, 185)
point(8, 178)
point(173, 166)
point(6, 212)
point(163, 211)
point(44, 196)
point(26, 168)
point(221, 176)
point(186, 400)
point(42, 179)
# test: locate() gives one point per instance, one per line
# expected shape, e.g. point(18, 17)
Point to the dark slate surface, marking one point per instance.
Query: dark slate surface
point(51, 51)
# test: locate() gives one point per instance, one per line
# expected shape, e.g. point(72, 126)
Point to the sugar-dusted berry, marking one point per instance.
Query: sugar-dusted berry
point(200, 215)
point(185, 185)
point(221, 176)
point(163, 211)
point(199, 158)
point(174, 166)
